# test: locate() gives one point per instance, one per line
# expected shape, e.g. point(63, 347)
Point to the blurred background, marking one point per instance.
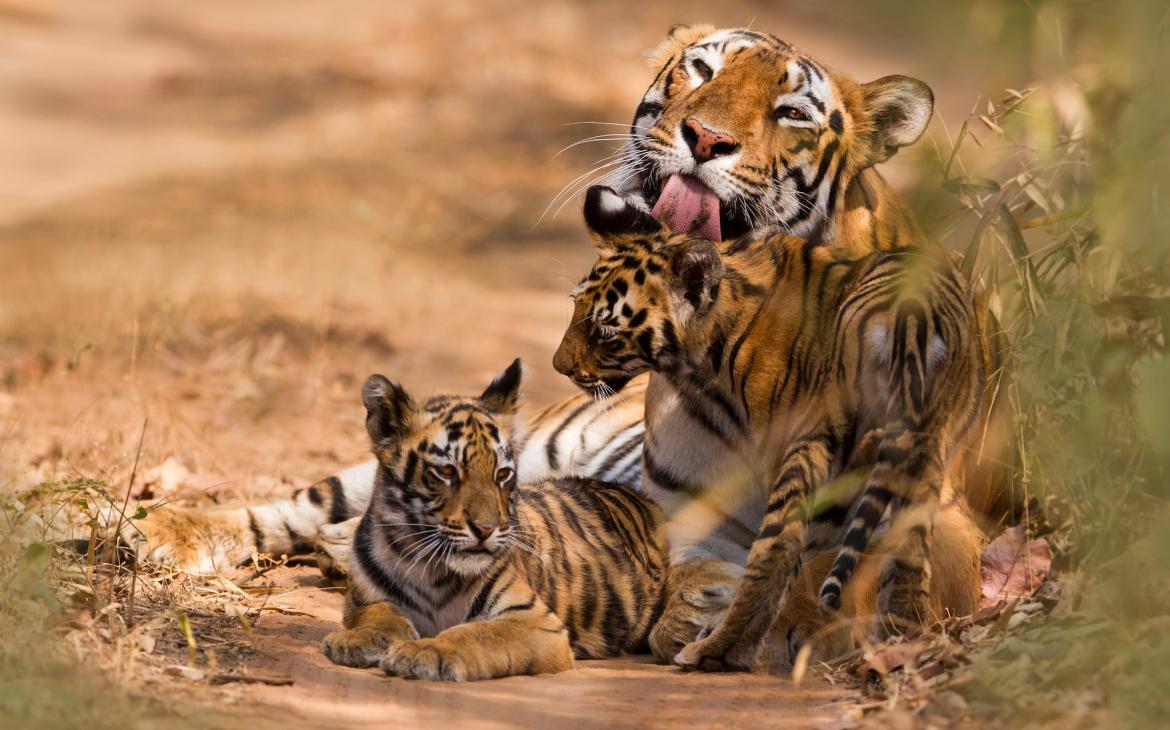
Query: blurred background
point(217, 218)
point(223, 216)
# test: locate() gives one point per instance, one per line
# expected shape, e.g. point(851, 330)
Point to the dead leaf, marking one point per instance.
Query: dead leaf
point(894, 657)
point(1013, 566)
point(191, 673)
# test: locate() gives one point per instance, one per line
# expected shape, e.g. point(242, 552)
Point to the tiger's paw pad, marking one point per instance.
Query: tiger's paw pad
point(425, 659)
point(713, 654)
point(355, 647)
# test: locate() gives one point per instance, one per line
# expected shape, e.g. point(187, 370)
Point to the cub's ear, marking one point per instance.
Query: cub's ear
point(608, 214)
point(389, 410)
point(899, 109)
point(697, 269)
point(502, 397)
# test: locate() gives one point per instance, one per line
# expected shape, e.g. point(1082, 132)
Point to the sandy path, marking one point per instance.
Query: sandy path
point(629, 692)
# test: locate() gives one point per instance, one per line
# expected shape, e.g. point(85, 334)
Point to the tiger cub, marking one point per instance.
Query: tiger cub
point(460, 573)
point(791, 360)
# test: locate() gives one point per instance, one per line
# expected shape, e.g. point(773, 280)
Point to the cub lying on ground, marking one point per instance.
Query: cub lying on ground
point(459, 573)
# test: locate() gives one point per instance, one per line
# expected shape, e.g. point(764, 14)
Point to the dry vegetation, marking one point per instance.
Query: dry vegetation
point(214, 224)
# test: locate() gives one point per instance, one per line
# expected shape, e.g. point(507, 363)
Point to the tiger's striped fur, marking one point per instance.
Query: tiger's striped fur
point(782, 362)
point(803, 139)
point(821, 186)
point(460, 573)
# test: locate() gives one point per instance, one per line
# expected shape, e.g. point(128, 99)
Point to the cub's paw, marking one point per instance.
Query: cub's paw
point(694, 614)
point(677, 629)
point(716, 653)
point(355, 647)
point(427, 659)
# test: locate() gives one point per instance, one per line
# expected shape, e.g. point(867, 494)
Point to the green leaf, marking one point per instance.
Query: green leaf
point(36, 557)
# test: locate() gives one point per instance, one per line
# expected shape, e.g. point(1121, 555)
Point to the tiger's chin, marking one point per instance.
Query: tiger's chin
point(470, 563)
point(603, 388)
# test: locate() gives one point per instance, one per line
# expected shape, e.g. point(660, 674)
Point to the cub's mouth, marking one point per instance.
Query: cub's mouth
point(601, 388)
point(686, 205)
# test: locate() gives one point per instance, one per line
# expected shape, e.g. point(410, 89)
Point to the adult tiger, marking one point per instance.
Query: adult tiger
point(711, 136)
point(778, 364)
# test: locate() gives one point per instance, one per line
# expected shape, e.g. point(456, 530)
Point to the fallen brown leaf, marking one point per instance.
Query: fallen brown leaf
point(1013, 566)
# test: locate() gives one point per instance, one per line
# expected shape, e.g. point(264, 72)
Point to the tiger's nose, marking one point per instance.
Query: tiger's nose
point(707, 144)
point(480, 530)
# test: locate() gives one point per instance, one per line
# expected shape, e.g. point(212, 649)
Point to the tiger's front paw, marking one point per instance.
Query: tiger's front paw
point(717, 653)
point(678, 628)
point(430, 659)
point(356, 647)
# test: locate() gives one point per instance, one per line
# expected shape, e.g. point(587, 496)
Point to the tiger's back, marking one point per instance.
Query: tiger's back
point(596, 554)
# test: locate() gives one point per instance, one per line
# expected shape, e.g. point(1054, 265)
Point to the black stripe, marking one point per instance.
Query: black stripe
point(370, 565)
point(481, 598)
point(550, 448)
point(257, 537)
point(665, 479)
point(339, 509)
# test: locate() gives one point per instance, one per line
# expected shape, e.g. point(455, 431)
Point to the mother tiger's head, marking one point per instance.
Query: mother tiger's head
point(446, 471)
point(632, 311)
point(740, 132)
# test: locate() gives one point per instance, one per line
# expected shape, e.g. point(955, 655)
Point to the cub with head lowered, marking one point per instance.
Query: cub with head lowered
point(789, 362)
point(458, 572)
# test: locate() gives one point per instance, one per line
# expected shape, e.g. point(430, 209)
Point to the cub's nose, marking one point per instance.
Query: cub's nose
point(480, 530)
point(707, 144)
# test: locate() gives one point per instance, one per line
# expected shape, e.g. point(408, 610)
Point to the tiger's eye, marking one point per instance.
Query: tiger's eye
point(791, 112)
point(503, 474)
point(445, 470)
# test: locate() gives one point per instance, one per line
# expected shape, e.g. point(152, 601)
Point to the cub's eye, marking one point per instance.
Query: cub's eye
point(503, 474)
point(791, 112)
point(702, 69)
point(446, 471)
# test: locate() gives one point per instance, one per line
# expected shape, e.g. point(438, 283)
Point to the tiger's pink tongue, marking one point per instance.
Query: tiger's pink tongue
point(688, 206)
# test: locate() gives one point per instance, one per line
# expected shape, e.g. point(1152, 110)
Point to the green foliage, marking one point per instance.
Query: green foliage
point(1057, 197)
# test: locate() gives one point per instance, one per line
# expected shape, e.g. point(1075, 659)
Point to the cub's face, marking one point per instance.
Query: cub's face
point(739, 132)
point(632, 310)
point(447, 474)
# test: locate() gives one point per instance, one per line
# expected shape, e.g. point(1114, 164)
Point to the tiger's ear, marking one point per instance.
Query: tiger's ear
point(609, 216)
point(502, 397)
point(678, 37)
point(389, 411)
point(697, 268)
point(899, 109)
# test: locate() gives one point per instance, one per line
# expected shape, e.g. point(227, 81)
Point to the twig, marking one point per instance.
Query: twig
point(280, 680)
point(122, 515)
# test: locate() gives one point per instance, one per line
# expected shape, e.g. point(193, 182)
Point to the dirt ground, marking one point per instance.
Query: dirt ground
point(628, 692)
point(217, 218)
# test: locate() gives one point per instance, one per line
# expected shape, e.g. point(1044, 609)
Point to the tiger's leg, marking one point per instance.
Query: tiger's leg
point(369, 630)
point(698, 593)
point(771, 564)
point(909, 473)
point(202, 540)
point(518, 634)
point(954, 591)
